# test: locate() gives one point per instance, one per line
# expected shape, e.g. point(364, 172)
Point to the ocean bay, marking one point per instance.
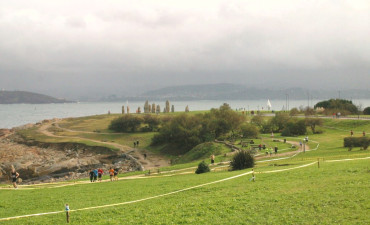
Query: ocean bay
point(13, 115)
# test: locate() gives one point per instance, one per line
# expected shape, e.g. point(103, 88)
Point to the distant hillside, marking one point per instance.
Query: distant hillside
point(240, 92)
point(16, 97)
point(227, 91)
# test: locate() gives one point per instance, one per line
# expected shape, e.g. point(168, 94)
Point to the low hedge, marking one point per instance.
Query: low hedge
point(351, 142)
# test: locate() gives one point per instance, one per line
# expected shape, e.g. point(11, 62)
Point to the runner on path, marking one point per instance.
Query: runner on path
point(91, 174)
point(212, 159)
point(115, 173)
point(253, 177)
point(95, 171)
point(100, 174)
point(14, 175)
point(111, 173)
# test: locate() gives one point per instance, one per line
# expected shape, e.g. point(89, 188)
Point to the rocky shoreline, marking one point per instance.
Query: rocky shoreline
point(48, 162)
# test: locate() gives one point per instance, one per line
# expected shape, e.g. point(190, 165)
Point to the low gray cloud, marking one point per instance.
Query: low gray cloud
point(71, 49)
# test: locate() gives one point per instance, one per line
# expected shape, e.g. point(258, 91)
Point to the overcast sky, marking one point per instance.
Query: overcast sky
point(81, 47)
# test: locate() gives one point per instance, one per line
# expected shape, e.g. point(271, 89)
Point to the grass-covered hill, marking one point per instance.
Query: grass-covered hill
point(17, 97)
point(328, 184)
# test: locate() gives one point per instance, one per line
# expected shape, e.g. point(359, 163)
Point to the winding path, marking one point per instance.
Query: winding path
point(150, 162)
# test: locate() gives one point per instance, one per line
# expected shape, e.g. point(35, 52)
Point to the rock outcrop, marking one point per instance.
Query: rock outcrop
point(41, 162)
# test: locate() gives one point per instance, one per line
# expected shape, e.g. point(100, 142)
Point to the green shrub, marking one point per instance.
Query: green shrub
point(351, 142)
point(338, 105)
point(258, 120)
point(294, 127)
point(279, 121)
point(153, 121)
point(187, 131)
point(126, 123)
point(249, 131)
point(294, 112)
point(313, 122)
point(286, 132)
point(367, 111)
point(242, 160)
point(267, 127)
point(202, 168)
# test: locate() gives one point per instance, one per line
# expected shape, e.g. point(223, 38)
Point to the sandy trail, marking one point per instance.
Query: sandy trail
point(299, 149)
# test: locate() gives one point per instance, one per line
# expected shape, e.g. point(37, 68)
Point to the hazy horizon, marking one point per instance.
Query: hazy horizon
point(94, 48)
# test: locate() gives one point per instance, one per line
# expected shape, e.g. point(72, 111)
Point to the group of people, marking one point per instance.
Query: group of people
point(363, 133)
point(96, 174)
point(269, 151)
point(136, 144)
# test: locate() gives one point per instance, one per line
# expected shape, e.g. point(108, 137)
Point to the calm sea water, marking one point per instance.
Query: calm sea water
point(14, 115)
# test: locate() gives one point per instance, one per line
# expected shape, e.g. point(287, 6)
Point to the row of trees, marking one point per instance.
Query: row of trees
point(330, 107)
point(338, 105)
point(287, 125)
point(187, 130)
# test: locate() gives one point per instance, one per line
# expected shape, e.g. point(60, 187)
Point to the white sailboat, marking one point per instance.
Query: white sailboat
point(268, 104)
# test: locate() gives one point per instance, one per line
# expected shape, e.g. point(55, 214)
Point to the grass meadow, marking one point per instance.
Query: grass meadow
point(335, 192)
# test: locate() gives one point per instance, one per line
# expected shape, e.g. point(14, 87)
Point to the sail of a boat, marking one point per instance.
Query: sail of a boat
point(268, 104)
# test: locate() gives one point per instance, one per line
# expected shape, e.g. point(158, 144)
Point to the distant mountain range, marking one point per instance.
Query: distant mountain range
point(223, 91)
point(238, 92)
point(17, 97)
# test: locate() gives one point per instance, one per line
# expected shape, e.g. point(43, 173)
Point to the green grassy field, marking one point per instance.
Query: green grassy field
point(336, 193)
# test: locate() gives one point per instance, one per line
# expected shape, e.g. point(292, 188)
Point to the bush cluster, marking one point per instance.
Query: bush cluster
point(242, 160)
point(186, 131)
point(126, 123)
point(351, 142)
point(202, 168)
point(294, 127)
point(338, 105)
point(367, 111)
point(133, 123)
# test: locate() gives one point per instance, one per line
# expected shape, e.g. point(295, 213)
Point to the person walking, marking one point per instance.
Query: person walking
point(115, 174)
point(95, 171)
point(253, 177)
point(363, 133)
point(212, 159)
point(91, 174)
point(100, 174)
point(351, 133)
point(67, 212)
point(111, 173)
point(14, 176)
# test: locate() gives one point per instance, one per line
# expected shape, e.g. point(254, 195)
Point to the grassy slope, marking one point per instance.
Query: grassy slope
point(337, 193)
point(204, 151)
